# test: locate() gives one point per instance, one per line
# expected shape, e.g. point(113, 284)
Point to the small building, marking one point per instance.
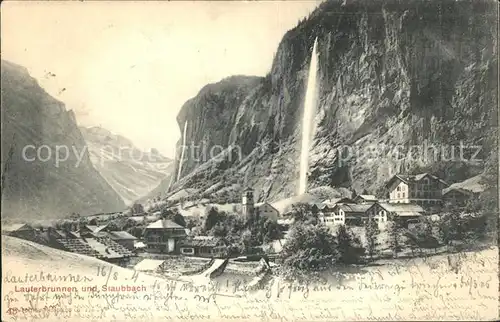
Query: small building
point(23, 231)
point(423, 189)
point(383, 212)
point(203, 246)
point(264, 209)
point(457, 196)
point(361, 199)
point(123, 238)
point(347, 214)
point(163, 235)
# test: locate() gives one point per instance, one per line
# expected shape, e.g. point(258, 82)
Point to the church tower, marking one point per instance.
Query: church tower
point(247, 205)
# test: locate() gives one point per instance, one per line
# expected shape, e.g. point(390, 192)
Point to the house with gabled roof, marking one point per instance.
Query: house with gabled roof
point(423, 189)
point(365, 199)
point(265, 209)
point(383, 212)
point(163, 235)
point(203, 246)
point(346, 214)
point(24, 231)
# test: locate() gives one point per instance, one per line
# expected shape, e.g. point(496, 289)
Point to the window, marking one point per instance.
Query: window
point(399, 188)
point(403, 194)
point(399, 195)
point(187, 250)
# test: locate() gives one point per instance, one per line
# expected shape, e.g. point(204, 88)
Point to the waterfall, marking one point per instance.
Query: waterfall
point(183, 146)
point(307, 119)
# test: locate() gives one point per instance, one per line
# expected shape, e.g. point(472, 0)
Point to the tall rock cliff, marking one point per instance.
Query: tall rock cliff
point(37, 128)
point(403, 86)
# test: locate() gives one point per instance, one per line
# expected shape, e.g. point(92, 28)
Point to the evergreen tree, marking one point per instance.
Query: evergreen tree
point(349, 247)
point(309, 248)
point(394, 234)
point(174, 215)
point(372, 231)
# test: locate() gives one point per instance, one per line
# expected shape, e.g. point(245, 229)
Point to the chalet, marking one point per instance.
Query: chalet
point(347, 214)
point(264, 209)
point(457, 196)
point(383, 212)
point(361, 199)
point(203, 246)
point(163, 235)
point(122, 238)
point(423, 189)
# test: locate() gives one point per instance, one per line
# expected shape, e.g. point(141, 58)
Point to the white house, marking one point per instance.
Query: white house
point(423, 189)
point(346, 214)
point(383, 212)
point(264, 209)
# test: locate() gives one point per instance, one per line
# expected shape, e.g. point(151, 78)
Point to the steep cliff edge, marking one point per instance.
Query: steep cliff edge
point(38, 127)
point(404, 86)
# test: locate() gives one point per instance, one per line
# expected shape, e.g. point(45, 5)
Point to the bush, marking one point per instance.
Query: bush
point(304, 213)
point(309, 248)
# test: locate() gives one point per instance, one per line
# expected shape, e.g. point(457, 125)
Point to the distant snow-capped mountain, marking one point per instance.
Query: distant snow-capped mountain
point(133, 173)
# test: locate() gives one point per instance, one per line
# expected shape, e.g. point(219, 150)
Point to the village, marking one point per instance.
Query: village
point(171, 245)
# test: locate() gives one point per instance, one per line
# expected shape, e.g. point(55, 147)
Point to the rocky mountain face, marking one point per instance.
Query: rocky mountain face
point(131, 172)
point(403, 86)
point(49, 173)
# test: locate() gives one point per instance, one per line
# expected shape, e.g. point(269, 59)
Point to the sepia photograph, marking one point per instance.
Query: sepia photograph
point(307, 160)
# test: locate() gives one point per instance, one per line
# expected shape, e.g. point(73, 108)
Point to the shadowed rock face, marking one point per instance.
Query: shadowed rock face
point(40, 186)
point(393, 74)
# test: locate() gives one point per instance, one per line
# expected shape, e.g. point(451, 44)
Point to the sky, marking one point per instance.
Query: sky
point(130, 66)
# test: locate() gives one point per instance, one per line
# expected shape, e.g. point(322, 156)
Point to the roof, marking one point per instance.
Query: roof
point(320, 205)
point(139, 244)
point(460, 190)
point(403, 209)
point(260, 204)
point(367, 197)
point(122, 235)
point(15, 227)
point(352, 207)
point(137, 218)
point(61, 233)
point(334, 201)
point(99, 228)
point(414, 177)
point(91, 227)
point(75, 234)
point(199, 241)
point(102, 249)
point(164, 223)
point(148, 264)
